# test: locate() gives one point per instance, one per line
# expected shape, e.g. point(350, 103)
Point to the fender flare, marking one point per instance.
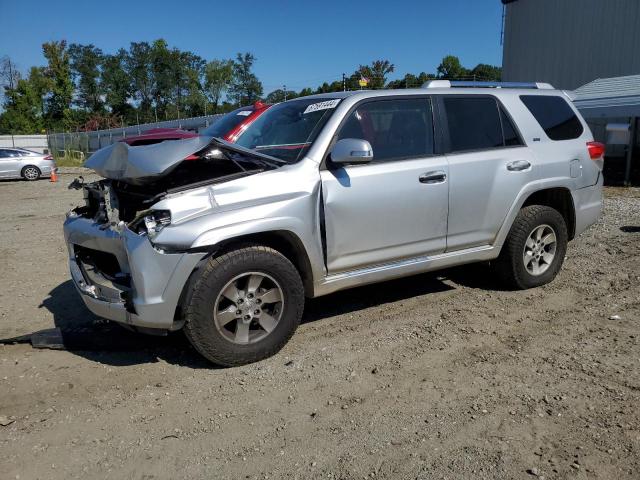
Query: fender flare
point(528, 190)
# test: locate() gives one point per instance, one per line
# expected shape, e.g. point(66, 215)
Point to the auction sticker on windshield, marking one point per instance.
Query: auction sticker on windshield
point(314, 107)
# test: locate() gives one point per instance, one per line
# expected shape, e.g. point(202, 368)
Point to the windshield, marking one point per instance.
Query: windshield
point(287, 130)
point(222, 126)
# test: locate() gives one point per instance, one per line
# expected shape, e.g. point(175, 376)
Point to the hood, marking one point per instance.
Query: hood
point(144, 163)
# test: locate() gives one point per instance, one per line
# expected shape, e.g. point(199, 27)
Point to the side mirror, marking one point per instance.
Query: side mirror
point(351, 151)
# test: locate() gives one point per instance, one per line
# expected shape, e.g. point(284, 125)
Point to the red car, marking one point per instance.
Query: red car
point(229, 127)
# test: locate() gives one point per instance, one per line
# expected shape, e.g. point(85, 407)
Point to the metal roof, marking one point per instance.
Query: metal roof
point(609, 97)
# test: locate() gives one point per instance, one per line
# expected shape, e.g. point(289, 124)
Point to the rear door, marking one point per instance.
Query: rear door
point(488, 166)
point(396, 206)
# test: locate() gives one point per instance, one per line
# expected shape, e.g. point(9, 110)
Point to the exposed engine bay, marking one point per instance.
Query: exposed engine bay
point(136, 178)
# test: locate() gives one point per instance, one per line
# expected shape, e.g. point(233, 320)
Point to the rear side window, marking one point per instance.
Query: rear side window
point(474, 123)
point(554, 115)
point(396, 129)
point(511, 137)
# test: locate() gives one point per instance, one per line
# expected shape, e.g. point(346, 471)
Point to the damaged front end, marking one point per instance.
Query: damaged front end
point(119, 271)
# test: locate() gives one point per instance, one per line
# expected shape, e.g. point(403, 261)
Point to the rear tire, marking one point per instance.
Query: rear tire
point(535, 248)
point(31, 173)
point(243, 306)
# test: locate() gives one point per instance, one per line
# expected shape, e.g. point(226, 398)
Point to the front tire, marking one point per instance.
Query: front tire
point(535, 248)
point(31, 173)
point(244, 306)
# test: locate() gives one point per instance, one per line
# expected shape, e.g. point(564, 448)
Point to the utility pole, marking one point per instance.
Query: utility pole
point(344, 82)
point(284, 89)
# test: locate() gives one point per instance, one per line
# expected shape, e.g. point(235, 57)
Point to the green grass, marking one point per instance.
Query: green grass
point(70, 158)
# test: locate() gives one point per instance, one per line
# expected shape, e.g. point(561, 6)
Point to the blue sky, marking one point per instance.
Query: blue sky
point(297, 43)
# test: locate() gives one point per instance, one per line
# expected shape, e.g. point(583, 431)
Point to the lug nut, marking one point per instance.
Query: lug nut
point(238, 312)
point(258, 301)
point(257, 312)
point(250, 295)
point(240, 300)
point(247, 317)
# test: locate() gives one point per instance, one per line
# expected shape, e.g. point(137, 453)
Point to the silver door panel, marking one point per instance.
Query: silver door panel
point(382, 212)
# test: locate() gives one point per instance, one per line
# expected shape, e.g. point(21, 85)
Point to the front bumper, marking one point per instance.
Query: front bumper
point(152, 282)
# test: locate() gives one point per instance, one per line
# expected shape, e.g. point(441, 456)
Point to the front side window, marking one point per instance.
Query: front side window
point(554, 115)
point(287, 130)
point(474, 123)
point(396, 129)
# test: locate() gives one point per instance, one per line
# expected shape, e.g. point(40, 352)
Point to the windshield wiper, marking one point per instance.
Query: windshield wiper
point(253, 156)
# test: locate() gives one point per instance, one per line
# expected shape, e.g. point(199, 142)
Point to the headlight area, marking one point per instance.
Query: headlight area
point(150, 222)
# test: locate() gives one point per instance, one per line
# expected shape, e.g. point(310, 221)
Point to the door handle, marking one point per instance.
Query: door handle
point(433, 177)
point(518, 166)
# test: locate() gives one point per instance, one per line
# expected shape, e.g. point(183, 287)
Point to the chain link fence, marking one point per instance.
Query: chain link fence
point(72, 148)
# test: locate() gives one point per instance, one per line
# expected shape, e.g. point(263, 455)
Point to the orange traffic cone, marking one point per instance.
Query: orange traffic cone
point(54, 176)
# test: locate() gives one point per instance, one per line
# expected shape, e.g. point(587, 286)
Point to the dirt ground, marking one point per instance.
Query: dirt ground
point(436, 376)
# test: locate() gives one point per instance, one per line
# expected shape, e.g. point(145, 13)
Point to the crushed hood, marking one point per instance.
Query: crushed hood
point(143, 163)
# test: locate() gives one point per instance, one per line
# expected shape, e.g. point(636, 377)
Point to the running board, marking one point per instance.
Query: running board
point(403, 268)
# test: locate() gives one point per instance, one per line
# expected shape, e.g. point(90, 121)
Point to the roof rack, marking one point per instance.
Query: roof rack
point(474, 84)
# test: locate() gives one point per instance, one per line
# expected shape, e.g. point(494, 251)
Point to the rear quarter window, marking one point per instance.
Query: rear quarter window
point(554, 115)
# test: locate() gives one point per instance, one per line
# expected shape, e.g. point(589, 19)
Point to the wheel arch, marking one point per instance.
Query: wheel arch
point(283, 241)
point(553, 193)
point(558, 198)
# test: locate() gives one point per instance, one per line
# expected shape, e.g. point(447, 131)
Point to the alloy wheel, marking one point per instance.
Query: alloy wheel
point(31, 173)
point(539, 250)
point(248, 308)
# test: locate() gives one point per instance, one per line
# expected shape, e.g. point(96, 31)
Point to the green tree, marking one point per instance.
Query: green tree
point(85, 66)
point(218, 77)
point(280, 95)
point(245, 88)
point(24, 107)
point(9, 74)
point(59, 71)
point(451, 68)
point(189, 88)
point(411, 81)
point(376, 73)
point(138, 66)
point(335, 86)
point(116, 84)
point(164, 73)
point(485, 72)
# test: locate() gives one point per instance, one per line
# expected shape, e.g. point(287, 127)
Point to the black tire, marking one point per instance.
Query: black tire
point(510, 265)
point(206, 288)
point(30, 173)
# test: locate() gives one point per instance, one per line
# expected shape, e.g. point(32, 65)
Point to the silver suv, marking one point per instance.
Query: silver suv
point(329, 192)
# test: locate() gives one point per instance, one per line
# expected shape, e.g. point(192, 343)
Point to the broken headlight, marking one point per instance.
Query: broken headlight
point(151, 222)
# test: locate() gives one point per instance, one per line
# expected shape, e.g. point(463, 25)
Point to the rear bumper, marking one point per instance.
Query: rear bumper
point(151, 281)
point(588, 205)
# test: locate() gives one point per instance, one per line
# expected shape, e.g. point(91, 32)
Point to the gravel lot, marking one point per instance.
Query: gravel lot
point(435, 376)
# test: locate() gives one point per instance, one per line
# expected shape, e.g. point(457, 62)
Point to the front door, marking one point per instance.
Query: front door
point(395, 207)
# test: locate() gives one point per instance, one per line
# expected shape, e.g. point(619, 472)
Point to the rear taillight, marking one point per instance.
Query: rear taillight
point(192, 157)
point(48, 157)
point(596, 150)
